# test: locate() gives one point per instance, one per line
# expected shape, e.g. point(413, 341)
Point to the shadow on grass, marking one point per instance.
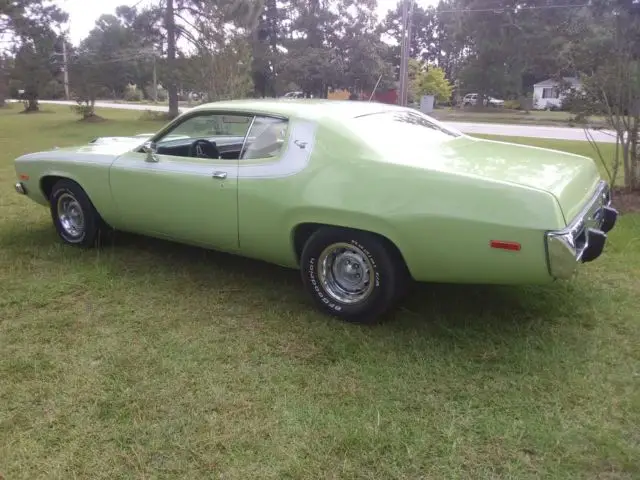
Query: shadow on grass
point(435, 309)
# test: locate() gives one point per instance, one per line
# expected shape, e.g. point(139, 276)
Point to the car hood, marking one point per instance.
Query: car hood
point(106, 145)
point(102, 148)
point(116, 144)
point(571, 178)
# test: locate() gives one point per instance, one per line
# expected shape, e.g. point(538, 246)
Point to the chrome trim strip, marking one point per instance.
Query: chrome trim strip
point(244, 142)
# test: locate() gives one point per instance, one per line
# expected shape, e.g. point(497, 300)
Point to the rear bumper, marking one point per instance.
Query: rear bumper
point(20, 188)
point(584, 239)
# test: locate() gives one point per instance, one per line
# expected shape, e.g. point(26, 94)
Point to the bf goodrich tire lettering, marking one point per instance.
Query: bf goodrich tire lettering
point(359, 278)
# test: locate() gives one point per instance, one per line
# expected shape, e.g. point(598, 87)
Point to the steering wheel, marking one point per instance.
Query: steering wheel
point(202, 148)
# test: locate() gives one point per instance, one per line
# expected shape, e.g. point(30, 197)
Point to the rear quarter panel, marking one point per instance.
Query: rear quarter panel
point(441, 223)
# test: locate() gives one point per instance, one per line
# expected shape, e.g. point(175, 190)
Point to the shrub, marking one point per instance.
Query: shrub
point(163, 95)
point(132, 94)
point(512, 104)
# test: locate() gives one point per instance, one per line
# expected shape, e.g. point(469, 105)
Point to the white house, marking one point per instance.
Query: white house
point(549, 93)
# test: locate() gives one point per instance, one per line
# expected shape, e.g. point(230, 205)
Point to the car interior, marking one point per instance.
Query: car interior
point(227, 148)
point(212, 137)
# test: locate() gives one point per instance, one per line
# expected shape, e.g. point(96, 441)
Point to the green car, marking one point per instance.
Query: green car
point(361, 197)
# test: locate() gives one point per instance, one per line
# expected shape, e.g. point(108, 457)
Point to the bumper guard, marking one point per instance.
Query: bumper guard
point(584, 239)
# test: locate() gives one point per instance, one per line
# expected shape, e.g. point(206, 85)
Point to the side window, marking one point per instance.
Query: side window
point(266, 138)
point(222, 136)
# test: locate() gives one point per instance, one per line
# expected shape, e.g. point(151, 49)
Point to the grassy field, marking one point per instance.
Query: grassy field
point(510, 117)
point(152, 360)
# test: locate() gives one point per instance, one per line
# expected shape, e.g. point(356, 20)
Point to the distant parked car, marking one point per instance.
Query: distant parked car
point(362, 197)
point(471, 99)
point(293, 95)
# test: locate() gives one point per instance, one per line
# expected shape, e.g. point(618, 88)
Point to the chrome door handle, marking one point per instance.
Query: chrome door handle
point(221, 175)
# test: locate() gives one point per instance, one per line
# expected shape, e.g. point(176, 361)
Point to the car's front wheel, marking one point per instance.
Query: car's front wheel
point(74, 216)
point(354, 275)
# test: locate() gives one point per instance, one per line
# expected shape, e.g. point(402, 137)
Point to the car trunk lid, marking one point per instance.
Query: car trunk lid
point(570, 178)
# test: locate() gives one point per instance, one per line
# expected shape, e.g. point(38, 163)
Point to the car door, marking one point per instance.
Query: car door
point(180, 192)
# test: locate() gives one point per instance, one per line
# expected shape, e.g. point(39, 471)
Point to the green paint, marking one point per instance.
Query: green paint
point(439, 198)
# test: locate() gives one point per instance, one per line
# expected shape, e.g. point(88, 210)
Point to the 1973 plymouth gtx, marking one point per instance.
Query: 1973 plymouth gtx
point(361, 197)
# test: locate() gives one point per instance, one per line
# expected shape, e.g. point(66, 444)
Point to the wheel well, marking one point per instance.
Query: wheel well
point(303, 232)
point(47, 183)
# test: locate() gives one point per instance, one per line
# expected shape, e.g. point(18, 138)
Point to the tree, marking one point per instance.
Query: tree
point(87, 83)
point(124, 48)
point(34, 68)
point(423, 46)
point(429, 81)
point(486, 41)
point(26, 21)
point(264, 47)
point(332, 44)
point(4, 78)
point(605, 50)
point(220, 37)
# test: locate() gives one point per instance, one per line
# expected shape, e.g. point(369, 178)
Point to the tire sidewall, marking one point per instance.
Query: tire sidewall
point(383, 279)
point(89, 234)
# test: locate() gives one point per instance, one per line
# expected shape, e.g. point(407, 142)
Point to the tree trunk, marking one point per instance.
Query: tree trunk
point(172, 87)
point(3, 84)
point(634, 155)
point(31, 104)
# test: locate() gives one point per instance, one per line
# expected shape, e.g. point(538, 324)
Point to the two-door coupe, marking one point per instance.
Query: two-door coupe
point(361, 197)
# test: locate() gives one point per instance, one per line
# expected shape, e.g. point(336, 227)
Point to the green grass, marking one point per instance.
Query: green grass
point(497, 115)
point(152, 360)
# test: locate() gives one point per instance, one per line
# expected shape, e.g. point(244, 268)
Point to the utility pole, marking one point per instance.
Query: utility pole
point(65, 67)
point(405, 50)
point(172, 87)
point(407, 55)
point(155, 79)
point(403, 53)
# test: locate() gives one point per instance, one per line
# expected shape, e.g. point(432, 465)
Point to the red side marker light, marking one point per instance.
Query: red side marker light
point(24, 176)
point(503, 245)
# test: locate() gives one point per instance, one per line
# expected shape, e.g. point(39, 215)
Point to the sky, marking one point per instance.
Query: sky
point(82, 18)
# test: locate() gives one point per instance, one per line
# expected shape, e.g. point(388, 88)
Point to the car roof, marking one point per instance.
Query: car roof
point(303, 107)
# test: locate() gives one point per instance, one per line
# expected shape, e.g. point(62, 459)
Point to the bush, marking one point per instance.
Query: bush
point(84, 109)
point(512, 105)
point(163, 95)
point(133, 95)
point(153, 116)
point(53, 90)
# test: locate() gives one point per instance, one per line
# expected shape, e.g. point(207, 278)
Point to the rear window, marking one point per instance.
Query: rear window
point(405, 123)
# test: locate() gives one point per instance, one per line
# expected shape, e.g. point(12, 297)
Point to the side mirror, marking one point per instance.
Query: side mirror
point(151, 151)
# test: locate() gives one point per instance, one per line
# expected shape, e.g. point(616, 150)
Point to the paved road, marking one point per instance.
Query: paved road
point(535, 131)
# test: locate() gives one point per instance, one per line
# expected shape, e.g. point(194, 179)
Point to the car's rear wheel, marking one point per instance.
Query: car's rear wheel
point(74, 216)
point(356, 276)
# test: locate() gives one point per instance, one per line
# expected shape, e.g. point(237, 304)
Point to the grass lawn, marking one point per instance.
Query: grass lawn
point(497, 115)
point(152, 360)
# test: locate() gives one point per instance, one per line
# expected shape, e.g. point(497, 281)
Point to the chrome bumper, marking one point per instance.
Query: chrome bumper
point(584, 239)
point(20, 188)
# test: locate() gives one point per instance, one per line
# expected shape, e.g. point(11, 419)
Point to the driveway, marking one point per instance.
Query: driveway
point(534, 131)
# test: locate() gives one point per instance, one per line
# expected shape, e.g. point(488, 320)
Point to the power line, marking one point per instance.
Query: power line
point(516, 9)
point(137, 3)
